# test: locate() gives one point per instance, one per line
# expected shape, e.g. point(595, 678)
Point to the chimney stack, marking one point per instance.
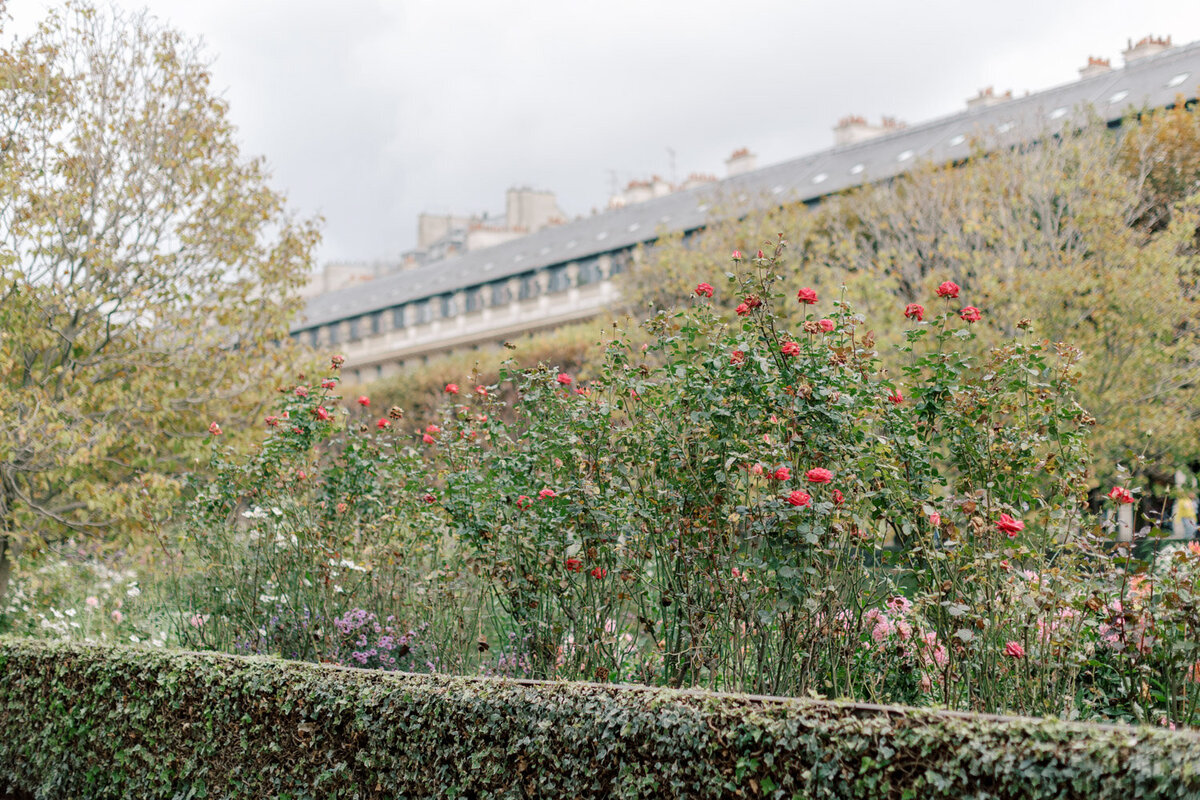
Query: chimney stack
point(1146, 46)
point(1095, 66)
point(854, 128)
point(741, 161)
point(988, 97)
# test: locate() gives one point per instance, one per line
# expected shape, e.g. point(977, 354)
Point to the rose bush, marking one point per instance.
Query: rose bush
point(724, 500)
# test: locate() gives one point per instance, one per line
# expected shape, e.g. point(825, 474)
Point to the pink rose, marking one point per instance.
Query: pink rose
point(451, 388)
point(1014, 650)
point(214, 429)
point(564, 379)
point(737, 357)
point(825, 325)
point(782, 474)
point(807, 296)
point(819, 475)
point(1120, 495)
point(545, 493)
point(799, 499)
point(791, 349)
point(1010, 526)
point(915, 311)
point(704, 290)
point(971, 314)
point(948, 289)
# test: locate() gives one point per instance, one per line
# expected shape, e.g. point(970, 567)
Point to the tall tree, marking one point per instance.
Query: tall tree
point(147, 272)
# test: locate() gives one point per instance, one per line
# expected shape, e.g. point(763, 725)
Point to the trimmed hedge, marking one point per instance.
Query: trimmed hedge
point(83, 721)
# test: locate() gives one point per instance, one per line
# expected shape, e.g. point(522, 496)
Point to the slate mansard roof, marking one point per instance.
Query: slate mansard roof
point(1153, 81)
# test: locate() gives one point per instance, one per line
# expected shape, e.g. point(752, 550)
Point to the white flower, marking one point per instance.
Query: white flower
point(133, 590)
point(70, 612)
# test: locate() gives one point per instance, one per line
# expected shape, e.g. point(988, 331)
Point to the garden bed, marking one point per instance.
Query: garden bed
point(90, 721)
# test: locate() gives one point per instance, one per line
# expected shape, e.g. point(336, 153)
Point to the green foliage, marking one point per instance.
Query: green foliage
point(98, 722)
point(1090, 234)
point(321, 531)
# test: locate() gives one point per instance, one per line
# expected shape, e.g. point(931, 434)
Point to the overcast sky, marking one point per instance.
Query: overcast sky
point(370, 112)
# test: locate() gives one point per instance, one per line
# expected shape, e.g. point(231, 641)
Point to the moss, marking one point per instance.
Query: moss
point(99, 722)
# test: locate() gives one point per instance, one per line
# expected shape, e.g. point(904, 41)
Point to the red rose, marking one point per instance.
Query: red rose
point(329, 383)
point(523, 501)
point(742, 310)
point(760, 255)
point(545, 493)
point(799, 499)
point(214, 429)
point(364, 401)
point(1014, 650)
point(791, 349)
point(427, 439)
point(807, 296)
point(825, 325)
point(599, 572)
point(838, 499)
point(782, 474)
point(301, 391)
point(738, 357)
point(1120, 495)
point(948, 289)
point(971, 314)
point(451, 388)
point(1010, 526)
point(819, 475)
point(896, 398)
point(915, 311)
point(383, 423)
point(564, 379)
point(737, 255)
point(429, 498)
point(704, 290)
point(432, 429)
point(574, 565)
point(481, 391)
point(272, 421)
point(321, 413)
point(337, 361)
point(753, 301)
